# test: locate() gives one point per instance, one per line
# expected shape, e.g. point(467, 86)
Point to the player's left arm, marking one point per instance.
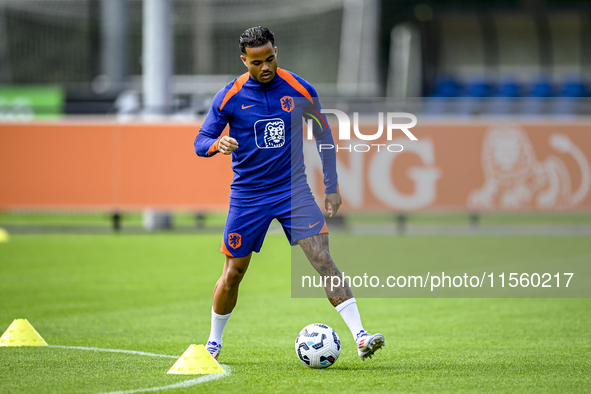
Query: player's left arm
point(323, 137)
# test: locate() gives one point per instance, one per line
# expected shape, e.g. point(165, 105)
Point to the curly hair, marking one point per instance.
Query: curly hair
point(255, 37)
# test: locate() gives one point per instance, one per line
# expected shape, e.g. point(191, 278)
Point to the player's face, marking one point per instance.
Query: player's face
point(261, 62)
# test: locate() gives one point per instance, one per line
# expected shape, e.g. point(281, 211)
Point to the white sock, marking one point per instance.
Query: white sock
point(350, 314)
point(218, 323)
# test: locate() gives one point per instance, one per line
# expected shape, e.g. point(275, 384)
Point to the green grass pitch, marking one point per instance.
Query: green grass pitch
point(152, 293)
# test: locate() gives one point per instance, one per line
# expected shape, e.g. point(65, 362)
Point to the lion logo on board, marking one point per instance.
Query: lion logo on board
point(234, 240)
point(516, 179)
point(287, 103)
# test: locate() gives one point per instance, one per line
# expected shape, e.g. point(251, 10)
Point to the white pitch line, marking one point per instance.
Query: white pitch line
point(98, 349)
point(185, 383)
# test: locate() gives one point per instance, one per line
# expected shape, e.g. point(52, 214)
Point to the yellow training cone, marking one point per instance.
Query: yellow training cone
point(21, 333)
point(4, 237)
point(196, 360)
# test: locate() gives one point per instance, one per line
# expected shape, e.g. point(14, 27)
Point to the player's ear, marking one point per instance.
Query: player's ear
point(275, 51)
point(243, 58)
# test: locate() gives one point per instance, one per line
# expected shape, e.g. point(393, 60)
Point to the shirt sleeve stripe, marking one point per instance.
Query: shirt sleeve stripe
point(241, 80)
point(290, 79)
point(213, 148)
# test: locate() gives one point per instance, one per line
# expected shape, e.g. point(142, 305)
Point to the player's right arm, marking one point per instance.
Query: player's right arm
point(208, 141)
point(226, 145)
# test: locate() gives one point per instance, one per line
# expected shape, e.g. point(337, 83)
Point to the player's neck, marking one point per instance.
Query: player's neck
point(265, 85)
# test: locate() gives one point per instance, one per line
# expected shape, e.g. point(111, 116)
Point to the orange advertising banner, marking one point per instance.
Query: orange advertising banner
point(109, 166)
point(475, 166)
point(465, 167)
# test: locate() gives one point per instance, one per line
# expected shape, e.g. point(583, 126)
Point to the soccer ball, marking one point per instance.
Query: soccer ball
point(318, 346)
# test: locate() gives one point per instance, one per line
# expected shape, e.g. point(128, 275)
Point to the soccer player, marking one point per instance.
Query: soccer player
point(263, 108)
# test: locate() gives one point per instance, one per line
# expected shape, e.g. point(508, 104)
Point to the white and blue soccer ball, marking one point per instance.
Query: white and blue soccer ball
point(318, 346)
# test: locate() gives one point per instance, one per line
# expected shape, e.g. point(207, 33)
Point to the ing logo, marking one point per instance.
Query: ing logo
point(287, 103)
point(269, 133)
point(234, 240)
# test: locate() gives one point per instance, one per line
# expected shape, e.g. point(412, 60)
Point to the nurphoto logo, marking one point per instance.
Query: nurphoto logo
point(344, 123)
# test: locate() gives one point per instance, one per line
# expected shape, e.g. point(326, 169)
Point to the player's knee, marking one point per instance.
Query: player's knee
point(233, 276)
point(323, 256)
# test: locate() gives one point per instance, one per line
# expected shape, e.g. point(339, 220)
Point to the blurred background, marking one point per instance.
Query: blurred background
point(110, 73)
point(87, 54)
